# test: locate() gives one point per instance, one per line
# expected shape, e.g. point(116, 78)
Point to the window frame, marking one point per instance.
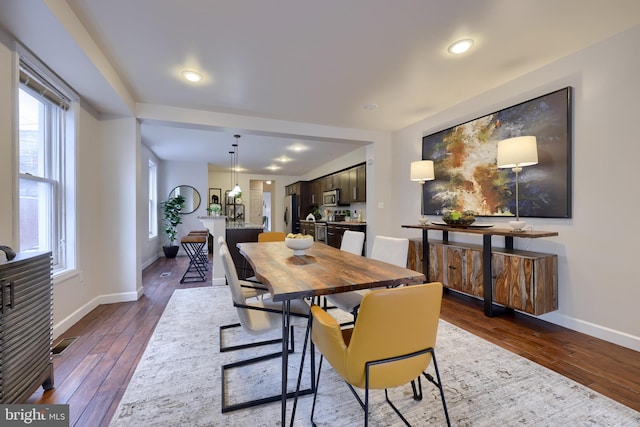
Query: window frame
point(153, 199)
point(61, 129)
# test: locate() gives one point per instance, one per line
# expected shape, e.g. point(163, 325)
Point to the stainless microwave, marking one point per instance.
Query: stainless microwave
point(331, 197)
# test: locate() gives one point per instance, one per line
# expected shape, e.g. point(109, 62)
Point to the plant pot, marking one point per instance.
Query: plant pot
point(170, 251)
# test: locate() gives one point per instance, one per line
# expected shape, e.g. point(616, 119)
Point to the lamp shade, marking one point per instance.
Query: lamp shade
point(517, 152)
point(422, 170)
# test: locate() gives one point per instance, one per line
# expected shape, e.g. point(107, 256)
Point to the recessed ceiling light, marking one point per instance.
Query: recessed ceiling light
point(297, 147)
point(192, 76)
point(273, 167)
point(460, 46)
point(283, 159)
point(370, 106)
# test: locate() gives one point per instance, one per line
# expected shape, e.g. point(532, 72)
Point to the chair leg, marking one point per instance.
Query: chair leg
point(417, 396)
point(256, 402)
point(313, 357)
point(438, 384)
point(224, 349)
point(315, 394)
point(386, 396)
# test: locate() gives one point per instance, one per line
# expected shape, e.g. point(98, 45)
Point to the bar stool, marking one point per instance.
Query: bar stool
point(193, 245)
point(203, 256)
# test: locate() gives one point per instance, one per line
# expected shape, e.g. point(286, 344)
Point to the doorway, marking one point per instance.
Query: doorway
point(260, 204)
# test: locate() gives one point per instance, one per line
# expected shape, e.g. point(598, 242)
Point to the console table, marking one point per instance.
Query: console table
point(536, 273)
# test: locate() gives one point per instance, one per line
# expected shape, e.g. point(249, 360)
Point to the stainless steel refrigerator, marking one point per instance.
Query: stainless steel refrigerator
point(291, 214)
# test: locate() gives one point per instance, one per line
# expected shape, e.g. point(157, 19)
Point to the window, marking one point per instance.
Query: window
point(46, 150)
point(153, 200)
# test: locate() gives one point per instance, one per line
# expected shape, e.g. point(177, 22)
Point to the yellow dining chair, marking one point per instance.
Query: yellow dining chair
point(271, 236)
point(392, 343)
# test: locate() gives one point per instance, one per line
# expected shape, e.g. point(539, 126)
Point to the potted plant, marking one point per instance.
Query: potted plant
point(215, 209)
point(172, 218)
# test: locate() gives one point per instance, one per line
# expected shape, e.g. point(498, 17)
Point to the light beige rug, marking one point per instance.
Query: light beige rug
point(177, 382)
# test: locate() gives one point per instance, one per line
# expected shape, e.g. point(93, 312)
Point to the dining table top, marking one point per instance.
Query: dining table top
point(322, 270)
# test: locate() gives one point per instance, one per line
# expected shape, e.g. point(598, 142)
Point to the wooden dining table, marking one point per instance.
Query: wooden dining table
point(321, 271)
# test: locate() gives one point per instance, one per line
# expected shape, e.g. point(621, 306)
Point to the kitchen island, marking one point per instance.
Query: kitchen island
point(234, 232)
point(240, 232)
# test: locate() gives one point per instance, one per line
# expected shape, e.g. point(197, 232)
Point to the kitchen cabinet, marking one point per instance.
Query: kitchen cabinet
point(353, 185)
point(360, 195)
point(345, 187)
point(303, 190)
point(330, 182)
point(26, 326)
point(308, 228)
point(516, 279)
point(316, 188)
point(292, 189)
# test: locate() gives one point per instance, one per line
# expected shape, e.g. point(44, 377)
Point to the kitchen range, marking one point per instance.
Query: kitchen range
point(330, 229)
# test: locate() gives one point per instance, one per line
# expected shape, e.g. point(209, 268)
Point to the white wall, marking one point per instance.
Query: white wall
point(7, 168)
point(172, 174)
point(108, 266)
point(598, 279)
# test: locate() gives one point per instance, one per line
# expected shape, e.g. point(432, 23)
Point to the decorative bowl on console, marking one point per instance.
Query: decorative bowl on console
point(458, 218)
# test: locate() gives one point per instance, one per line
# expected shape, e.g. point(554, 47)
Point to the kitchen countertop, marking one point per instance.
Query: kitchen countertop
point(322, 221)
point(243, 226)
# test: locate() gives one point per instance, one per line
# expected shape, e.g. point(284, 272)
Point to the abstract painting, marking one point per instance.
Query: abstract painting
point(467, 177)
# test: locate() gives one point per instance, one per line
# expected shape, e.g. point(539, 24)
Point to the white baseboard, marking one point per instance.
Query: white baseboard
point(150, 261)
point(610, 335)
point(60, 327)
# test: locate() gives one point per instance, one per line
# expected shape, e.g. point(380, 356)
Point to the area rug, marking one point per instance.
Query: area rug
point(177, 381)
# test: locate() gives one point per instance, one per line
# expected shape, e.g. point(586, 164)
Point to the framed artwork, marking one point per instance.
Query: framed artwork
point(215, 196)
point(467, 177)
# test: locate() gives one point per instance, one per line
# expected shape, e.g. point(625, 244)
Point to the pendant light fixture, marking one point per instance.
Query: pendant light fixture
point(237, 190)
point(231, 193)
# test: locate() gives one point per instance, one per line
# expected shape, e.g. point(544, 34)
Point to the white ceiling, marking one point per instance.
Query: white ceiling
point(305, 61)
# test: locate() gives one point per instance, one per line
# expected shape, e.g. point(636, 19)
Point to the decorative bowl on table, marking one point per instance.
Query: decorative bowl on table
point(460, 219)
point(298, 242)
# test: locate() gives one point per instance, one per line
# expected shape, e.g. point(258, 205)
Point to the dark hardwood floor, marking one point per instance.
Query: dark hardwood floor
point(93, 372)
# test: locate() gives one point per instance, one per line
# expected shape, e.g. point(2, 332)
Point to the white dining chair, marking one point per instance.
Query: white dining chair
point(255, 317)
point(352, 241)
point(393, 250)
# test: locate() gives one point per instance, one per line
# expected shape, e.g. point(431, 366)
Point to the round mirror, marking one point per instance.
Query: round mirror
point(191, 197)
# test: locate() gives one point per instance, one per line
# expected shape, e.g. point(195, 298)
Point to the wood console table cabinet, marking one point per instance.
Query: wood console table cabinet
point(26, 331)
point(516, 279)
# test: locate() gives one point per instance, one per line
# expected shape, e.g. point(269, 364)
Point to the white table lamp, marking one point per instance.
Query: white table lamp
point(422, 171)
point(515, 153)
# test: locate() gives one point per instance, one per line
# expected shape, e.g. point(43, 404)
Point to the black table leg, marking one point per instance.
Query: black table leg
point(425, 254)
point(487, 278)
point(286, 320)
